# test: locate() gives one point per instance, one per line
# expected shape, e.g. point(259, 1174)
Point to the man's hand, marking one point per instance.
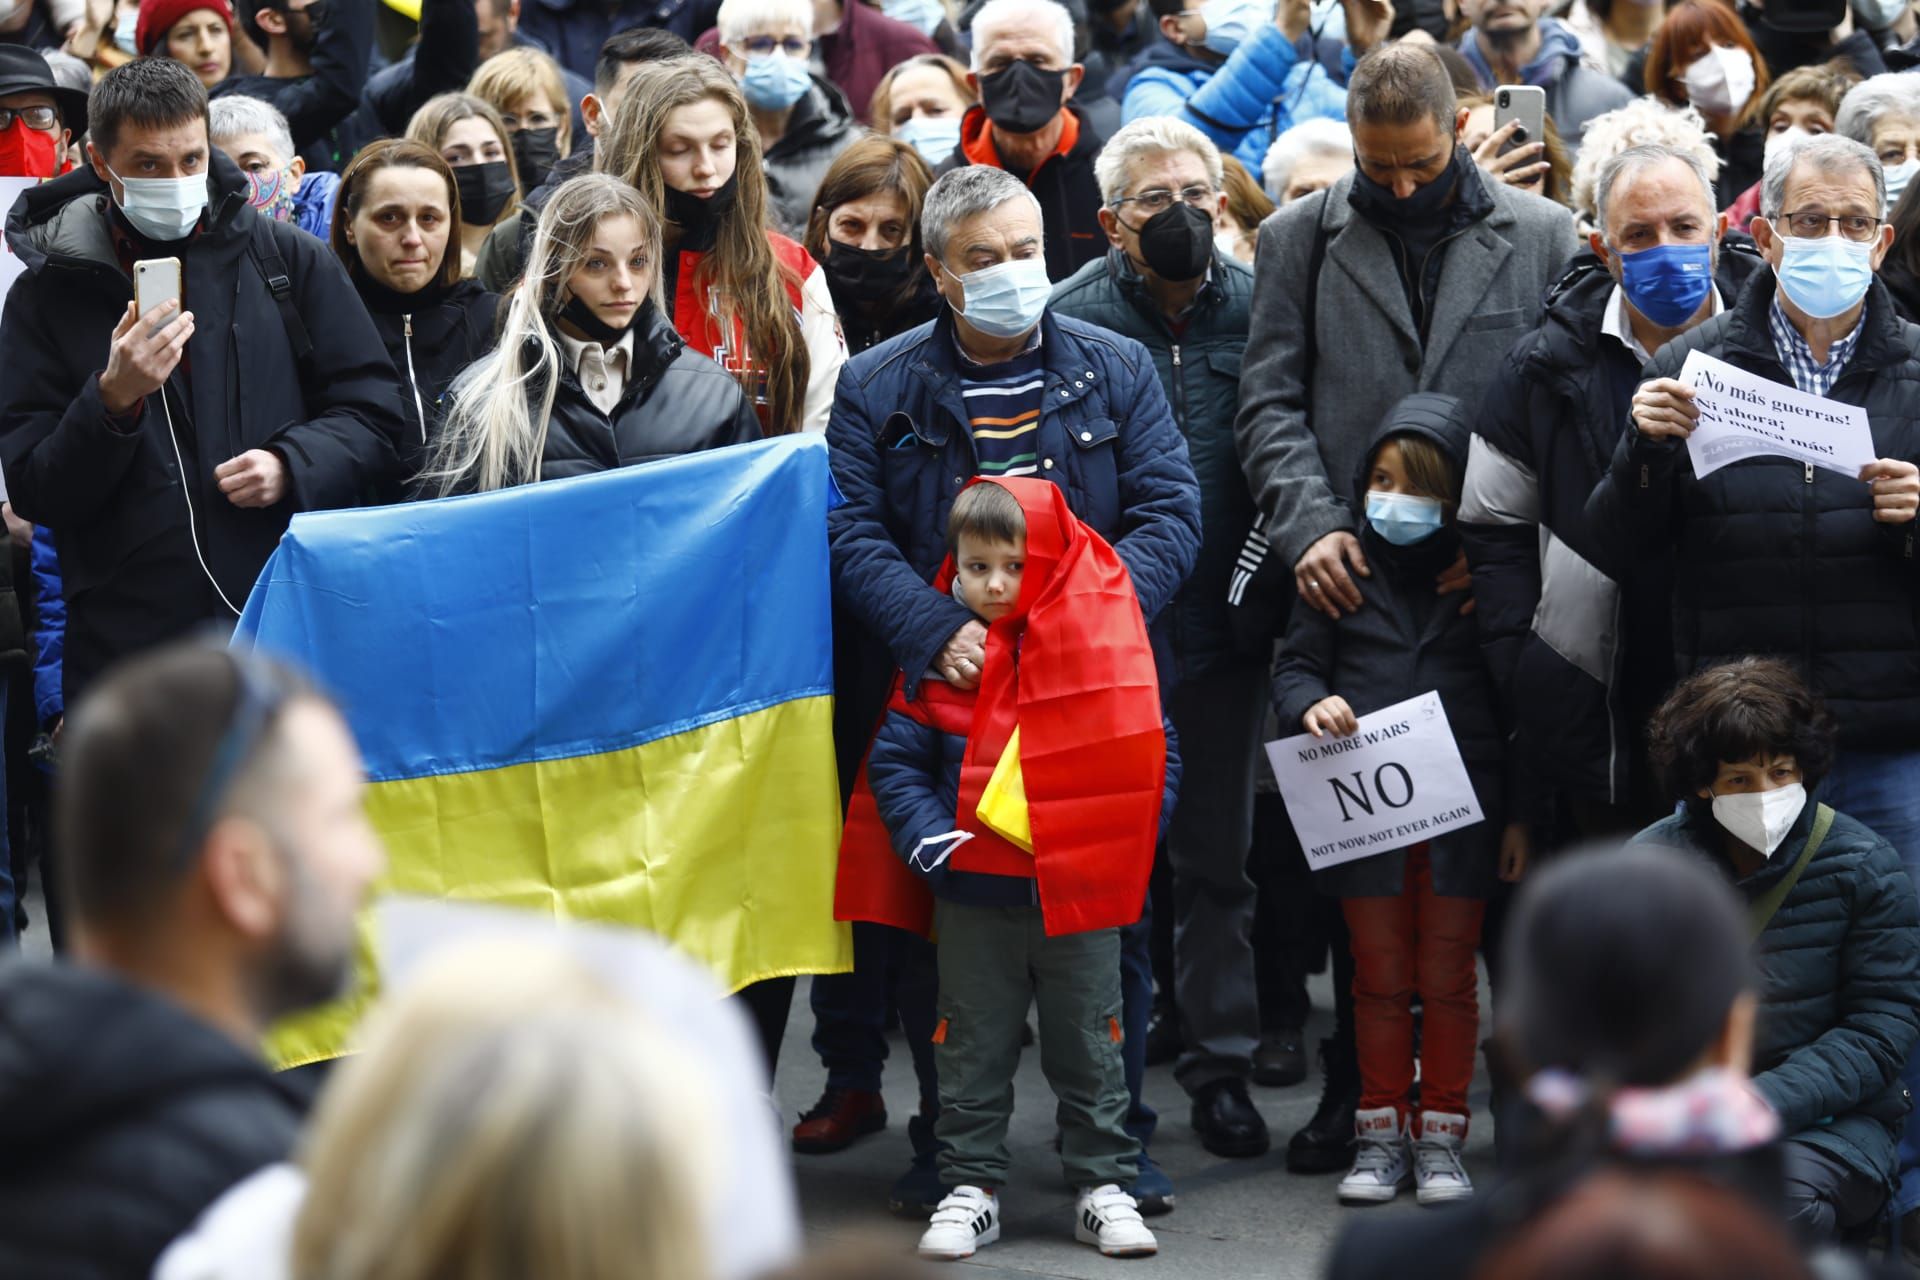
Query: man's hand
point(257, 478)
point(1368, 22)
point(1896, 489)
point(1664, 409)
point(145, 351)
point(1321, 576)
point(1520, 167)
point(1516, 848)
point(17, 529)
point(1293, 18)
point(1456, 577)
point(1330, 716)
point(960, 658)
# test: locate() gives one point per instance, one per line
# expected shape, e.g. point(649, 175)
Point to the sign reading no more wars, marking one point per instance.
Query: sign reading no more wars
point(1397, 780)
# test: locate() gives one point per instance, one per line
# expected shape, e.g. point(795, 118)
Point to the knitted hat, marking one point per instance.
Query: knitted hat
point(158, 16)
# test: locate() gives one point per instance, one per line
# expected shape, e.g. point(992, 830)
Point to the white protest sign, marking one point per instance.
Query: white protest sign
point(1395, 781)
point(1743, 415)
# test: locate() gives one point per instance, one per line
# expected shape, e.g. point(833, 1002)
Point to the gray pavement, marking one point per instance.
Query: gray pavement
point(1234, 1218)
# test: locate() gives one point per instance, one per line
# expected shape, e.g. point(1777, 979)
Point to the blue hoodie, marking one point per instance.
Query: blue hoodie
point(1244, 103)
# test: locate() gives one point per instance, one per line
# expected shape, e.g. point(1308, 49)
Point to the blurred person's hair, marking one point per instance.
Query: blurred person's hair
point(1734, 712)
point(510, 1116)
point(1558, 186)
point(1826, 83)
point(1894, 93)
point(236, 116)
point(1247, 204)
point(881, 110)
point(1641, 122)
point(631, 47)
point(1690, 28)
point(1316, 138)
point(514, 75)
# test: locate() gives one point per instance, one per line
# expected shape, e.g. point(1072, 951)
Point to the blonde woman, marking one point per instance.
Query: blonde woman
point(749, 297)
point(470, 136)
point(588, 373)
point(526, 87)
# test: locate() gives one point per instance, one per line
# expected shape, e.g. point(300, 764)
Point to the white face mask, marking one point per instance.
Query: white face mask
point(1721, 81)
point(1761, 820)
point(1785, 138)
point(1878, 15)
point(164, 209)
point(1897, 179)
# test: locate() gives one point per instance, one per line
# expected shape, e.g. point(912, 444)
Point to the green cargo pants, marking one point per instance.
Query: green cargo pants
point(994, 962)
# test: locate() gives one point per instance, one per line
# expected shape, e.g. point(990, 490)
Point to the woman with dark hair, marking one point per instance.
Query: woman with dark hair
point(393, 222)
point(469, 135)
point(865, 234)
point(1900, 272)
point(1702, 56)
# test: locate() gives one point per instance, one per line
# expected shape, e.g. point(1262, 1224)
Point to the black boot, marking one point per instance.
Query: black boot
point(1326, 1144)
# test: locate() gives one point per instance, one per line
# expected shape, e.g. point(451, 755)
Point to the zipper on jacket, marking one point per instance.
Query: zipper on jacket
point(1179, 392)
point(419, 410)
point(1807, 523)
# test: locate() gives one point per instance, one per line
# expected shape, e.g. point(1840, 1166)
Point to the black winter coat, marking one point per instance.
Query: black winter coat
point(1065, 186)
point(1839, 969)
point(114, 496)
point(1200, 370)
point(431, 336)
point(1406, 640)
point(323, 108)
point(1775, 557)
point(123, 1117)
point(820, 128)
point(677, 401)
point(1579, 662)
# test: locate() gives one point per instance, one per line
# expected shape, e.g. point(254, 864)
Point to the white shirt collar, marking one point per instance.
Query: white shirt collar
point(1616, 325)
point(577, 348)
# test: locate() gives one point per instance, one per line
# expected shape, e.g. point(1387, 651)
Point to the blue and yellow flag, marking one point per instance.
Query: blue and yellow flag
point(604, 699)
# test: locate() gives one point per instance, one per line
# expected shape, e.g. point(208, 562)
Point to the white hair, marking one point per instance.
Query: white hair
point(1150, 136)
point(1642, 122)
point(1310, 138)
point(1895, 93)
point(963, 193)
point(1827, 153)
point(237, 116)
point(1001, 13)
point(743, 19)
point(1624, 164)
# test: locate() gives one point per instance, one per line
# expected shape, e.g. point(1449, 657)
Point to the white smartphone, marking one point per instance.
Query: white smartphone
point(1523, 102)
point(155, 280)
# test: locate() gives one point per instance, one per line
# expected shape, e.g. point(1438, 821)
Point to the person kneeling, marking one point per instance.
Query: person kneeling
point(1744, 747)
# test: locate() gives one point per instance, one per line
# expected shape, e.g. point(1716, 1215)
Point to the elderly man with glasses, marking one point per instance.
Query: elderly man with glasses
point(1773, 556)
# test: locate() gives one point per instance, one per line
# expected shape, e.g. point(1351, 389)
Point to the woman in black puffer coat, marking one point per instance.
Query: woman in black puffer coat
point(590, 373)
point(392, 224)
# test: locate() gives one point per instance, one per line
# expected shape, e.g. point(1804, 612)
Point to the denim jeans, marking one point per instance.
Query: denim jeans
point(1882, 790)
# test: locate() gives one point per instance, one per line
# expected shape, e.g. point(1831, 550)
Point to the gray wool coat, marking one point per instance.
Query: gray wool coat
point(1493, 280)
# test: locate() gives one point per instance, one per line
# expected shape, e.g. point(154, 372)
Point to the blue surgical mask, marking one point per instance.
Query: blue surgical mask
point(1007, 299)
point(1897, 179)
point(1668, 283)
point(164, 209)
point(1827, 275)
point(125, 32)
point(1404, 518)
point(926, 15)
point(1229, 22)
point(775, 82)
point(934, 137)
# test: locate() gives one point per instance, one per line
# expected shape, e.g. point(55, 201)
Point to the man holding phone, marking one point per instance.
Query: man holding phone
point(166, 446)
point(1514, 42)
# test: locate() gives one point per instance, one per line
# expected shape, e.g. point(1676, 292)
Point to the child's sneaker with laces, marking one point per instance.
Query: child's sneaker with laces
point(1380, 1165)
point(1437, 1170)
point(968, 1219)
point(1109, 1219)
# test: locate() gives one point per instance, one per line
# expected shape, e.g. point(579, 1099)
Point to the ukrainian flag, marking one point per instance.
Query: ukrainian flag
point(603, 699)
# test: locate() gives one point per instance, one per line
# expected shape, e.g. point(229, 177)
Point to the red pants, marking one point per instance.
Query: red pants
point(1417, 941)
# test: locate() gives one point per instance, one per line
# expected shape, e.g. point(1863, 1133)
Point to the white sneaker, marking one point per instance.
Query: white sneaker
point(1380, 1165)
point(967, 1219)
point(1109, 1219)
point(1436, 1159)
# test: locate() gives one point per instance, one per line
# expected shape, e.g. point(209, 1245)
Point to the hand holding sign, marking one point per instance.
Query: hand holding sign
point(1896, 489)
point(1740, 415)
point(1329, 715)
point(1664, 409)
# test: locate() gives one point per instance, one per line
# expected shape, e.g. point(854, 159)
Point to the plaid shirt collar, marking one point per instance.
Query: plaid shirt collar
point(1808, 375)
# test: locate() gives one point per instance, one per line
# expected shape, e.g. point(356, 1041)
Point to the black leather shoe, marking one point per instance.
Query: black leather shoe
point(1281, 1060)
point(1227, 1122)
point(1326, 1144)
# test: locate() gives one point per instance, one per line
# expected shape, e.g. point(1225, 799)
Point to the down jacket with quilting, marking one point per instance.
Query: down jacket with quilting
point(1839, 968)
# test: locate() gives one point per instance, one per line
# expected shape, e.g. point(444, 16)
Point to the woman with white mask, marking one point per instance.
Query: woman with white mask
point(1883, 113)
point(1803, 103)
point(1702, 56)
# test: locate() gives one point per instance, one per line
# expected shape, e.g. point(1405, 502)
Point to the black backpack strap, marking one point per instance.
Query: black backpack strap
point(1316, 258)
point(273, 269)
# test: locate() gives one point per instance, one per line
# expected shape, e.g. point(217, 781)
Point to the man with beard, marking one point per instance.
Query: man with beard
point(215, 851)
point(317, 57)
point(1514, 42)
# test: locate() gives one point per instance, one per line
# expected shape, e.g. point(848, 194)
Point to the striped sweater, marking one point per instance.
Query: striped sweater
point(1003, 414)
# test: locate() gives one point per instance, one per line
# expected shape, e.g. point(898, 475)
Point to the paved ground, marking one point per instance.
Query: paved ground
point(1238, 1218)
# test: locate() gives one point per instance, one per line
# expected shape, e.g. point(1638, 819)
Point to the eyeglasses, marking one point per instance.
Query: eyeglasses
point(1810, 224)
point(1160, 199)
point(45, 119)
point(762, 46)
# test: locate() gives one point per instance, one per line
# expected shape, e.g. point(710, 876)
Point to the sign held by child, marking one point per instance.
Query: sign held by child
point(1394, 779)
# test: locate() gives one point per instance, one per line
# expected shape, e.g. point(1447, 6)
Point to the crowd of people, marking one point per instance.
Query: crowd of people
point(1192, 374)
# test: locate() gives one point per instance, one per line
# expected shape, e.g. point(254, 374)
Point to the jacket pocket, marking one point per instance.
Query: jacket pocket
point(1511, 318)
point(1226, 363)
point(1093, 472)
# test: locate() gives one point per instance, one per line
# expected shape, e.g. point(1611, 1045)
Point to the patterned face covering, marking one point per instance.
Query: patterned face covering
point(271, 192)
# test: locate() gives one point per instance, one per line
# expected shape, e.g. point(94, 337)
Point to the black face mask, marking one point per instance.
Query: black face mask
point(1022, 98)
point(699, 220)
point(866, 277)
point(536, 151)
point(1425, 202)
point(581, 316)
point(1177, 242)
point(484, 191)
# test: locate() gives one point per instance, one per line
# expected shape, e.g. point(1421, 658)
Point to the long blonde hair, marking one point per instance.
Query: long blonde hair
point(495, 431)
point(510, 1117)
point(751, 284)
